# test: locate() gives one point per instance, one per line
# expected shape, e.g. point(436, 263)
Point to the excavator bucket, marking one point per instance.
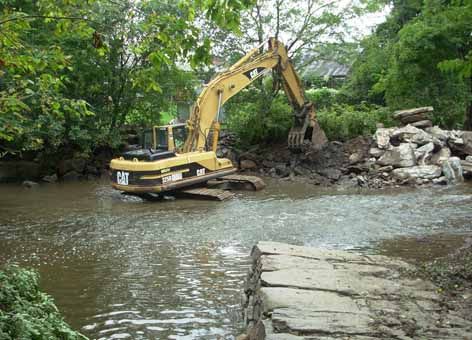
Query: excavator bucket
point(306, 131)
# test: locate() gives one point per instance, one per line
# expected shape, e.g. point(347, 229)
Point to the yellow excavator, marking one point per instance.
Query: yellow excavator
point(180, 157)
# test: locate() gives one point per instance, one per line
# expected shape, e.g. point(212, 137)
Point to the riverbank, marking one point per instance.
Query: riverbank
point(28, 313)
point(395, 156)
point(357, 296)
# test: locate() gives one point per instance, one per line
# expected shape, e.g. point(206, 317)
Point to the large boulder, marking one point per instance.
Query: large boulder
point(440, 156)
point(376, 152)
point(415, 172)
point(461, 142)
point(411, 134)
point(438, 133)
point(401, 156)
point(423, 154)
point(452, 170)
point(247, 164)
point(422, 124)
point(382, 137)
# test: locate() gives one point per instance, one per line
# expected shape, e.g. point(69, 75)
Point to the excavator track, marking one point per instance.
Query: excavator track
point(239, 182)
point(205, 194)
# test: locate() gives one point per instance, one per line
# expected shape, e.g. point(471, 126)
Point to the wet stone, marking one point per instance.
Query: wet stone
point(310, 293)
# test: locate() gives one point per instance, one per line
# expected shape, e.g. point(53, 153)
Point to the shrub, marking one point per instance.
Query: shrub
point(342, 122)
point(323, 97)
point(255, 122)
point(27, 313)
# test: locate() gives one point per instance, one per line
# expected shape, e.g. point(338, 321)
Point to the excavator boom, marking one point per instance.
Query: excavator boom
point(204, 118)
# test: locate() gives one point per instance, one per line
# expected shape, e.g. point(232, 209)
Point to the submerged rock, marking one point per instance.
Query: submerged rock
point(29, 184)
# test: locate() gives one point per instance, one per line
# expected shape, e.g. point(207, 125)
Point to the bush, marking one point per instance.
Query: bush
point(26, 312)
point(343, 122)
point(323, 97)
point(254, 122)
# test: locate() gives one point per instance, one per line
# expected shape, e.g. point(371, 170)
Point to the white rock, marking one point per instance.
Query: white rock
point(411, 134)
point(420, 171)
point(468, 159)
point(424, 153)
point(376, 152)
point(401, 156)
point(441, 156)
point(382, 137)
point(452, 169)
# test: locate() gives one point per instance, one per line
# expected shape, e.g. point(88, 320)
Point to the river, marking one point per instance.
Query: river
point(121, 268)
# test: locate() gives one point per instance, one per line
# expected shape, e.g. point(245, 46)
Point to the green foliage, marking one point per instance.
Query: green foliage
point(256, 122)
point(421, 56)
point(27, 313)
point(73, 72)
point(322, 97)
point(342, 122)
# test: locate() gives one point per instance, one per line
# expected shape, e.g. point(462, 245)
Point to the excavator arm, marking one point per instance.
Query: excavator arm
point(204, 118)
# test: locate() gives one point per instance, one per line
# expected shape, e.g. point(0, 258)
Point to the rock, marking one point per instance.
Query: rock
point(29, 184)
point(438, 133)
point(424, 153)
point(387, 168)
point(50, 179)
point(282, 170)
point(441, 155)
point(411, 134)
point(302, 171)
point(452, 170)
point(268, 164)
point(440, 180)
point(376, 152)
point(75, 164)
point(17, 170)
point(247, 164)
point(91, 170)
point(414, 118)
point(331, 173)
point(399, 157)
point(461, 142)
point(410, 112)
point(71, 176)
point(467, 166)
point(422, 124)
point(420, 171)
point(468, 159)
point(355, 158)
point(382, 137)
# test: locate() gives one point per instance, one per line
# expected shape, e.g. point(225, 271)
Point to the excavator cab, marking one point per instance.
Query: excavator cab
point(165, 138)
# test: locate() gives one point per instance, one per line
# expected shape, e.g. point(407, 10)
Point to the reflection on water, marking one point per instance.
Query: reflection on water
point(122, 268)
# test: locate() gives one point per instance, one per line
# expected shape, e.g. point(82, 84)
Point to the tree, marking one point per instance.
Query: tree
point(420, 56)
point(71, 71)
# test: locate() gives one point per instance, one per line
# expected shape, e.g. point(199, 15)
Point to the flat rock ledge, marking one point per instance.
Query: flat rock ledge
point(294, 292)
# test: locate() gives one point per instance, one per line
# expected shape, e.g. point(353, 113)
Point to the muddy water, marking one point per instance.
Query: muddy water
point(122, 268)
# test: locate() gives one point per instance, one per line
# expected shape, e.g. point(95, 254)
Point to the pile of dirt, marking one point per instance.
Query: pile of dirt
point(337, 163)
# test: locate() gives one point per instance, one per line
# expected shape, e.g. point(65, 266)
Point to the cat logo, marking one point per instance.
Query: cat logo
point(254, 73)
point(122, 177)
